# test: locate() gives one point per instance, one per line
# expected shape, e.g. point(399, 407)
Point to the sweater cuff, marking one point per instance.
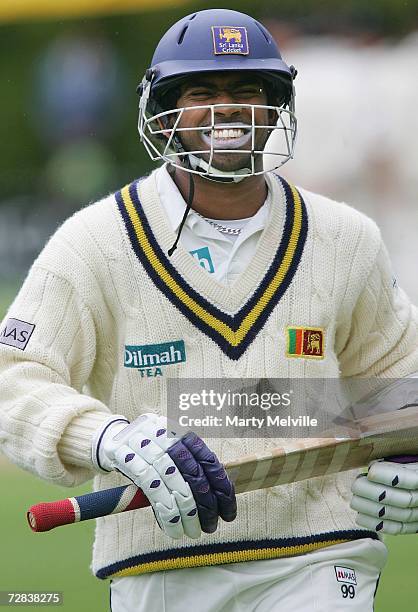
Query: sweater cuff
point(74, 447)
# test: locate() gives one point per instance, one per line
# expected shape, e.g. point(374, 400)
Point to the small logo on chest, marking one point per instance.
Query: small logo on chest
point(305, 342)
point(151, 359)
point(203, 257)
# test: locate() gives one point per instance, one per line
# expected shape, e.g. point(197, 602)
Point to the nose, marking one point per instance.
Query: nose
point(224, 106)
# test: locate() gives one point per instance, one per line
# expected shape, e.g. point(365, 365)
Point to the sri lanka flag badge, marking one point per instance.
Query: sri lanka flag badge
point(230, 40)
point(305, 342)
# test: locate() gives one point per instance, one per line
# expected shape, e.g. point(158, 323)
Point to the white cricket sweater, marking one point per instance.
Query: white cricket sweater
point(103, 282)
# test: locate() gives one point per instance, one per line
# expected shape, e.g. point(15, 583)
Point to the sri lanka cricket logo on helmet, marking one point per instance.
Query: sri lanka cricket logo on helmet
point(211, 42)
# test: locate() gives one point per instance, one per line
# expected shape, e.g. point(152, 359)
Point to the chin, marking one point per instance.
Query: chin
point(230, 163)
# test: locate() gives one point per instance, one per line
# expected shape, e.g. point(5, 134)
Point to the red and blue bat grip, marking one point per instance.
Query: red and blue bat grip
point(47, 515)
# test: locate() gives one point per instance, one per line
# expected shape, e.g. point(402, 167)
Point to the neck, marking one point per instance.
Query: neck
point(223, 200)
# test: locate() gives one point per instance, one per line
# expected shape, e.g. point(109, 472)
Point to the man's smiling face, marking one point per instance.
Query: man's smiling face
point(232, 124)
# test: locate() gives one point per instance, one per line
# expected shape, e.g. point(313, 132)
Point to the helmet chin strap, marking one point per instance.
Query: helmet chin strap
point(195, 163)
point(199, 164)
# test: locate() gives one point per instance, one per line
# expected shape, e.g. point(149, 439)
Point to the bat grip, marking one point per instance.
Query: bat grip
point(48, 515)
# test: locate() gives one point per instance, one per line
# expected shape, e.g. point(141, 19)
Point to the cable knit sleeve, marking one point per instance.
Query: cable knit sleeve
point(379, 338)
point(48, 346)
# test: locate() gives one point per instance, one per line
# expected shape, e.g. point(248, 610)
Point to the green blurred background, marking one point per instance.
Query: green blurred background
point(26, 146)
point(52, 163)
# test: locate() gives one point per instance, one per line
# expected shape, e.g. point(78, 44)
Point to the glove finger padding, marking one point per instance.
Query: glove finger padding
point(402, 476)
point(217, 477)
point(155, 427)
point(193, 474)
point(386, 499)
point(389, 527)
point(376, 510)
point(392, 496)
point(182, 493)
point(164, 499)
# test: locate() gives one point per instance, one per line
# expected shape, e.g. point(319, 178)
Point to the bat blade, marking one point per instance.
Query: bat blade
point(373, 437)
point(369, 438)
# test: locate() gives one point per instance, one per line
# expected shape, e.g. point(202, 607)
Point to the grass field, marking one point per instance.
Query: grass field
point(59, 560)
point(54, 561)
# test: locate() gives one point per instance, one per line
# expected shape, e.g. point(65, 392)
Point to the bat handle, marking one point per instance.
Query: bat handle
point(47, 515)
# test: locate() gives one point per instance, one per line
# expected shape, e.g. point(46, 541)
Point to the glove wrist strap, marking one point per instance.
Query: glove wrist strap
point(98, 437)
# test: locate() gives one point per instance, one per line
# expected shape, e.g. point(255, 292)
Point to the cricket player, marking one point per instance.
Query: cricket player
point(210, 267)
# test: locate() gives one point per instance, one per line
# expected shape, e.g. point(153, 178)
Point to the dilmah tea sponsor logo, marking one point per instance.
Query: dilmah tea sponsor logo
point(151, 359)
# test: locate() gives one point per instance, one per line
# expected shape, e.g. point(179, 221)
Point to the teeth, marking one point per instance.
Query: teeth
point(224, 134)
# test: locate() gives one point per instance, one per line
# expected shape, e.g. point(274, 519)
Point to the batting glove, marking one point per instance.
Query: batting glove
point(184, 481)
point(386, 499)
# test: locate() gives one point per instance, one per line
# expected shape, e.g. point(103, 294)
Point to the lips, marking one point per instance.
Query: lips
point(228, 137)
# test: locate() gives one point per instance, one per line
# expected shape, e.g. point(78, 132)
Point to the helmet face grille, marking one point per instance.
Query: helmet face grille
point(234, 150)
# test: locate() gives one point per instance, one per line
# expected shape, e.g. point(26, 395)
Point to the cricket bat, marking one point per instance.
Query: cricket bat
point(373, 437)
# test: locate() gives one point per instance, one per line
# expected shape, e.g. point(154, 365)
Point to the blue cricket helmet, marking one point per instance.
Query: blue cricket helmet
point(210, 41)
point(218, 40)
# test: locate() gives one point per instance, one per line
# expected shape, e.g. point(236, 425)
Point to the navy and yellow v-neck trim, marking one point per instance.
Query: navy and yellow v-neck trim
point(233, 333)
